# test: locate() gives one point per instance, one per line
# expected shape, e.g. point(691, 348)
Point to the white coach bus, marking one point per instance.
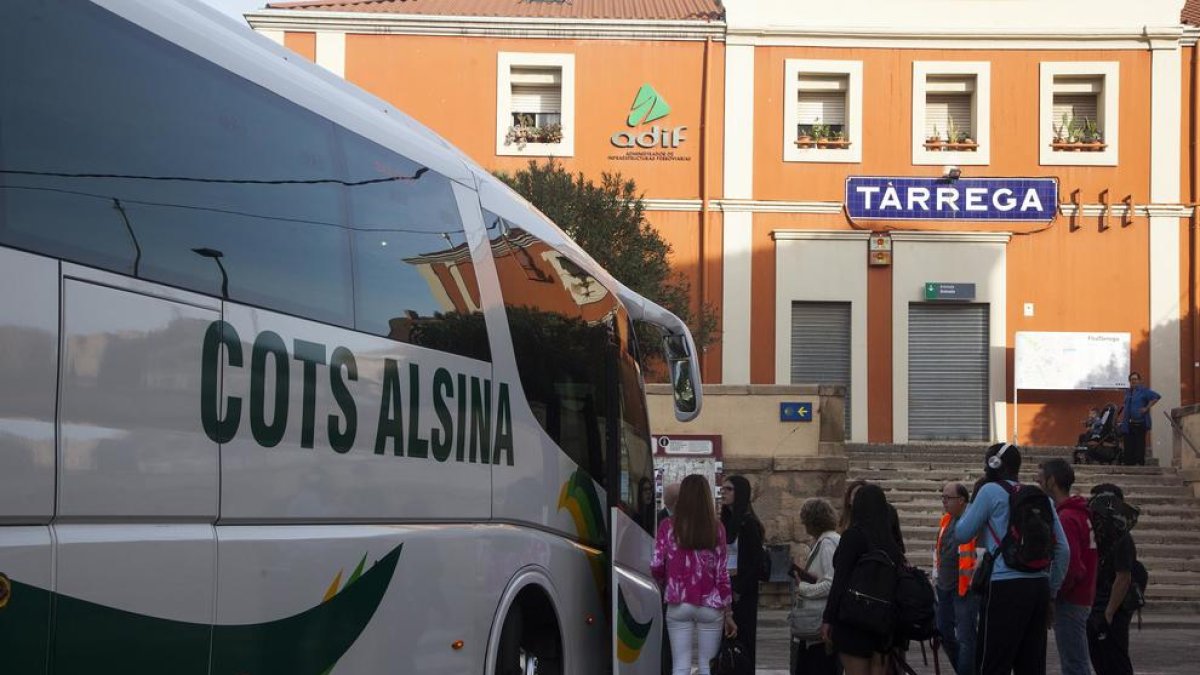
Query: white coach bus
point(289, 386)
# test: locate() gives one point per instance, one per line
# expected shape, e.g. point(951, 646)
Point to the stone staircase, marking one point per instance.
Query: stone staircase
point(1167, 534)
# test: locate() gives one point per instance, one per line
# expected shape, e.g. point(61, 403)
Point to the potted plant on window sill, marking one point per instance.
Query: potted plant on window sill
point(838, 142)
point(934, 142)
point(820, 135)
point(805, 140)
point(1093, 140)
point(521, 135)
point(962, 143)
point(1062, 135)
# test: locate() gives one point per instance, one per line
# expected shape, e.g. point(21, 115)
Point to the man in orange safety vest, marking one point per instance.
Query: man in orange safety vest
point(953, 565)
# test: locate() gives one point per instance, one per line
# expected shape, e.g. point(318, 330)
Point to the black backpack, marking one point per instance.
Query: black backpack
point(915, 600)
point(764, 565)
point(1028, 545)
point(869, 601)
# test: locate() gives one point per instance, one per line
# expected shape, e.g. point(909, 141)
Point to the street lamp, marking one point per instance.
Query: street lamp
point(216, 255)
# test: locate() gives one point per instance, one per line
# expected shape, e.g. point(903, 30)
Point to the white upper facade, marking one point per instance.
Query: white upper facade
point(1028, 17)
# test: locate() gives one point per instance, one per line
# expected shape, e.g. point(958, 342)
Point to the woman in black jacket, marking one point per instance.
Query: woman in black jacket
point(745, 533)
point(871, 528)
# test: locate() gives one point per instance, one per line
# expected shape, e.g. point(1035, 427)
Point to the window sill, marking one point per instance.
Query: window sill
point(978, 155)
point(940, 146)
point(829, 152)
point(560, 149)
point(1078, 147)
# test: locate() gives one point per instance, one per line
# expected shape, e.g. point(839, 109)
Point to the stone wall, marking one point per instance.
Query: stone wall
point(1185, 458)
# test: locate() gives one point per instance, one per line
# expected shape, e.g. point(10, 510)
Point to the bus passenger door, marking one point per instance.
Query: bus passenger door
point(637, 613)
point(635, 606)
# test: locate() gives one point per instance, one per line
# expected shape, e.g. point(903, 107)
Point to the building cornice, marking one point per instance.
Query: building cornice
point(1191, 34)
point(483, 26)
point(1153, 37)
point(827, 235)
point(761, 206)
point(1120, 210)
point(672, 204)
point(835, 208)
point(952, 237)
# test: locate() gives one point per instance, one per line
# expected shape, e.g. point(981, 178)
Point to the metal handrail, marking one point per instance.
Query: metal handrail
point(1179, 430)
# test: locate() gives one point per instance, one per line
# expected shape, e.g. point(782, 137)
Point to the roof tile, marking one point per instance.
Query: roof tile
point(1191, 13)
point(671, 10)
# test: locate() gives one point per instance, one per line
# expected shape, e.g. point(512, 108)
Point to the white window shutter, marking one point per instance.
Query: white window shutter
point(536, 76)
point(531, 99)
point(536, 90)
point(941, 108)
point(821, 107)
point(1078, 107)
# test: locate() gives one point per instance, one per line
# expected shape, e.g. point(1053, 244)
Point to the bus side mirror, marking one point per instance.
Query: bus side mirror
point(684, 369)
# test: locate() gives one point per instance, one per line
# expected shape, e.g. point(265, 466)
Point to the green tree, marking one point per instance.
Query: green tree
point(609, 222)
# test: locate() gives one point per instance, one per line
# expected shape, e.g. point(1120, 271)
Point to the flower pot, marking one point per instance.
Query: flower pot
point(1060, 145)
point(804, 142)
point(1094, 146)
point(933, 145)
point(839, 144)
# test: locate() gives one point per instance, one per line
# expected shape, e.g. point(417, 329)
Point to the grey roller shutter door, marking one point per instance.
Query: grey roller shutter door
point(948, 372)
point(821, 346)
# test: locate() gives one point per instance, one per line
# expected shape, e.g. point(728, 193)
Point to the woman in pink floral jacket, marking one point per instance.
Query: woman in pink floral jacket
point(689, 564)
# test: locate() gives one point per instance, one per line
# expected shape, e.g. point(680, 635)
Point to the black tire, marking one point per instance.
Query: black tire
point(530, 641)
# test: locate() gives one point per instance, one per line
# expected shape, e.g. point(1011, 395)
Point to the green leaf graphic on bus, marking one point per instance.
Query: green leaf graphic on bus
point(631, 634)
point(90, 637)
point(578, 497)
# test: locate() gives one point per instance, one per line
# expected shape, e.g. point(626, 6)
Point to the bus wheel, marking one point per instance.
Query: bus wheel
point(530, 640)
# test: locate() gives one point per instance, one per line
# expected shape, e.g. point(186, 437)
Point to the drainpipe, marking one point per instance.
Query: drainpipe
point(1193, 238)
point(701, 244)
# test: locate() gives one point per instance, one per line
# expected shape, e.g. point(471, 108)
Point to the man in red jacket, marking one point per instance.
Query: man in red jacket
point(1078, 590)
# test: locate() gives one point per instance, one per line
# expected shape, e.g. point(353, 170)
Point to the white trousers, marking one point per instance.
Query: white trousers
point(685, 621)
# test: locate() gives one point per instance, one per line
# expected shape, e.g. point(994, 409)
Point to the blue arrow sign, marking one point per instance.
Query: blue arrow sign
point(795, 411)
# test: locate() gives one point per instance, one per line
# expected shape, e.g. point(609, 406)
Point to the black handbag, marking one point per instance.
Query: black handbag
point(731, 659)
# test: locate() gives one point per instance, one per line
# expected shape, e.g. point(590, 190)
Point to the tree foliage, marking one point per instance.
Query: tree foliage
point(608, 221)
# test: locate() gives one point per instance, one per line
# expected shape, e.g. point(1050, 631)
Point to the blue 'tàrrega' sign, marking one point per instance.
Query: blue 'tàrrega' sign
point(982, 199)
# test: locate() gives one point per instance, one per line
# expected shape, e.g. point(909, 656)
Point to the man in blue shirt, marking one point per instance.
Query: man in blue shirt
point(1016, 604)
point(1135, 418)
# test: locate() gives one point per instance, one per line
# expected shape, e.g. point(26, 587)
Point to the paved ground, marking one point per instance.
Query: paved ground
point(1156, 650)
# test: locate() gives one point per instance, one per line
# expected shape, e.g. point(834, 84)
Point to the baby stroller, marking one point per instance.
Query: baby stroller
point(1101, 443)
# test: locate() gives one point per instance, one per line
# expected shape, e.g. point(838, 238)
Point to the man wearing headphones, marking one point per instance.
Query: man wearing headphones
point(1016, 602)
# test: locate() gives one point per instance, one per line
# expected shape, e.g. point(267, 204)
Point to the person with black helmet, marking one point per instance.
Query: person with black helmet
point(1025, 561)
point(1108, 625)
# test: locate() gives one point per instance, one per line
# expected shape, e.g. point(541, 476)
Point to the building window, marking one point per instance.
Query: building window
point(951, 112)
point(1079, 114)
point(822, 111)
point(535, 104)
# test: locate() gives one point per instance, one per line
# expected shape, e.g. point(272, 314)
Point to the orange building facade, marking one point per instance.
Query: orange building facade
point(750, 126)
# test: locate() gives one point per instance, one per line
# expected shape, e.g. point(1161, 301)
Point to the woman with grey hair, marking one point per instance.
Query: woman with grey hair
point(811, 656)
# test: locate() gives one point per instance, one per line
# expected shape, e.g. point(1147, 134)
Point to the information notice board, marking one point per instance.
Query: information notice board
point(1069, 362)
point(1072, 361)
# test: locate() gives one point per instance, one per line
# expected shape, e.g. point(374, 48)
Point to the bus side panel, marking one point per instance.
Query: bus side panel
point(28, 385)
point(369, 599)
point(25, 598)
point(317, 447)
point(131, 441)
point(134, 598)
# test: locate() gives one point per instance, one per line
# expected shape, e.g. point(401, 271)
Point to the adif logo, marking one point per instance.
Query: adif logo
point(648, 106)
